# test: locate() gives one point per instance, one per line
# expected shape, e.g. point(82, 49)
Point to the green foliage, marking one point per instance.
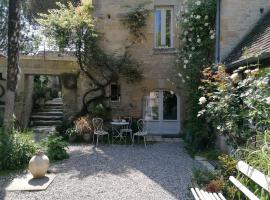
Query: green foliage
point(33, 7)
point(237, 104)
point(101, 112)
point(55, 147)
point(28, 42)
point(72, 27)
point(211, 154)
point(62, 129)
point(202, 177)
point(15, 150)
point(257, 154)
point(227, 166)
point(197, 23)
point(136, 20)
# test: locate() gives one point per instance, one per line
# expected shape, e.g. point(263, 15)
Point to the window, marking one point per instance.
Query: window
point(164, 27)
point(115, 92)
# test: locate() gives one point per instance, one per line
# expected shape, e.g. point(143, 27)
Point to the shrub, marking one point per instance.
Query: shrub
point(202, 177)
point(62, 129)
point(55, 147)
point(227, 166)
point(237, 105)
point(15, 150)
point(215, 186)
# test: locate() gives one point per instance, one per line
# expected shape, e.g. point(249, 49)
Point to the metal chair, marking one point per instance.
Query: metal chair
point(98, 129)
point(127, 130)
point(142, 132)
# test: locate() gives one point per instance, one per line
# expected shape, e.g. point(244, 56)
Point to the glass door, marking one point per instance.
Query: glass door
point(161, 110)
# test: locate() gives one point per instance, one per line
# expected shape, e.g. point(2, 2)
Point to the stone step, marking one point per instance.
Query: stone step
point(50, 110)
point(51, 106)
point(44, 113)
point(45, 117)
point(46, 123)
point(43, 129)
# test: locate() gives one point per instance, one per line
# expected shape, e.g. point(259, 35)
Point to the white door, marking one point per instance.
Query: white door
point(162, 112)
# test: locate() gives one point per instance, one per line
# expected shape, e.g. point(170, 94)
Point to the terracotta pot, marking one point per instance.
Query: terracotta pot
point(39, 164)
point(87, 137)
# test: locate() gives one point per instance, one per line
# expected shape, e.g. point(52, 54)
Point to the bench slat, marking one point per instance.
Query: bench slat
point(243, 189)
point(221, 196)
point(255, 175)
point(212, 197)
point(200, 194)
point(216, 196)
point(194, 194)
point(206, 195)
point(203, 195)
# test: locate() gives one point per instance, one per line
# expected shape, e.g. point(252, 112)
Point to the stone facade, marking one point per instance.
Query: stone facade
point(158, 65)
point(237, 20)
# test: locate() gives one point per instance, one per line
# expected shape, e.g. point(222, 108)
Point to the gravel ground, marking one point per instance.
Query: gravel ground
point(162, 171)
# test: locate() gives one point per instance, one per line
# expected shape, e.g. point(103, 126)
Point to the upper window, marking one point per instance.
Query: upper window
point(164, 27)
point(115, 92)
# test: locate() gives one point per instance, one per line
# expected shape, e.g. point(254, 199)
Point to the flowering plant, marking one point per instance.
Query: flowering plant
point(238, 104)
point(197, 22)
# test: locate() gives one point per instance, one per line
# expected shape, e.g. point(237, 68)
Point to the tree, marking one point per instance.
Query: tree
point(72, 27)
point(33, 7)
point(13, 62)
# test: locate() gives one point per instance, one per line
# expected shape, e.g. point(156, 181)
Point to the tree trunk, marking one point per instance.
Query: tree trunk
point(13, 62)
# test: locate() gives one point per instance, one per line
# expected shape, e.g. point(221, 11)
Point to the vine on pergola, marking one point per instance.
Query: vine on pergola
point(73, 28)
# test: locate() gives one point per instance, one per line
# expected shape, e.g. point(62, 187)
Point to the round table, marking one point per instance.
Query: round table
point(116, 126)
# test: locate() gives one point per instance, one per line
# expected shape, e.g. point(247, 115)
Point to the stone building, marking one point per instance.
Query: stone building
point(156, 98)
point(244, 28)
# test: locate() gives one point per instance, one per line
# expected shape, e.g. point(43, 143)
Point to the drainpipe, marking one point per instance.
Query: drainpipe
point(217, 50)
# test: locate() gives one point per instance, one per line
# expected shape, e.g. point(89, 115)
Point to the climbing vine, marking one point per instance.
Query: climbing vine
point(73, 27)
point(136, 20)
point(197, 21)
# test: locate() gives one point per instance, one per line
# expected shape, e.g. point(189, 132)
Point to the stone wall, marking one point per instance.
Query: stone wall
point(158, 66)
point(237, 20)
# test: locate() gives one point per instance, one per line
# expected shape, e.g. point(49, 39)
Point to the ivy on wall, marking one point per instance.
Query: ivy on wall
point(197, 22)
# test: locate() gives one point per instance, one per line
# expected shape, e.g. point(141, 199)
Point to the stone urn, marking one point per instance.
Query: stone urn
point(39, 164)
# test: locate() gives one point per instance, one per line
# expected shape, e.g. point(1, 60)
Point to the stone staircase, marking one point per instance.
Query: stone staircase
point(45, 119)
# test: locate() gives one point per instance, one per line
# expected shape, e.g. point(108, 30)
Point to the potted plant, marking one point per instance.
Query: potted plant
point(84, 127)
point(72, 134)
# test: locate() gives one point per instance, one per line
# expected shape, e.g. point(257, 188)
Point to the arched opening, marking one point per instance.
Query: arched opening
point(162, 112)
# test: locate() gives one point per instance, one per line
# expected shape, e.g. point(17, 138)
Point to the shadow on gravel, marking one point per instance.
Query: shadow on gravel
point(5, 180)
point(166, 164)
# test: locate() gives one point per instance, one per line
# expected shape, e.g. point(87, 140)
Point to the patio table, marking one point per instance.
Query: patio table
point(116, 127)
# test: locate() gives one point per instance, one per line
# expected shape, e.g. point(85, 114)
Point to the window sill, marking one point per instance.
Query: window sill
point(164, 50)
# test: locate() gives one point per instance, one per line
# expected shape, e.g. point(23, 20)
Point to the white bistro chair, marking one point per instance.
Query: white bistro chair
point(142, 132)
point(98, 129)
point(127, 130)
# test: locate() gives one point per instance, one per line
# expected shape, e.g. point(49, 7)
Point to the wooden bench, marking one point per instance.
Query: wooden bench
point(250, 172)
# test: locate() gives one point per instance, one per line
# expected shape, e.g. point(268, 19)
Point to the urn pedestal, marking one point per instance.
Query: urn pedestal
point(38, 165)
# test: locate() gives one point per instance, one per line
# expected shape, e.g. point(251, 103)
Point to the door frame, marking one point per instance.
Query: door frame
point(161, 122)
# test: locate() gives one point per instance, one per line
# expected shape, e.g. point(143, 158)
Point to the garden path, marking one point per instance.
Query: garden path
point(162, 171)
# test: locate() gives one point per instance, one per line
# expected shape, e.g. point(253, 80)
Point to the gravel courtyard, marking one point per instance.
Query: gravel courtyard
point(160, 172)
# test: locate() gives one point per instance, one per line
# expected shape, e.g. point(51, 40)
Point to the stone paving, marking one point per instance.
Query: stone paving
point(162, 171)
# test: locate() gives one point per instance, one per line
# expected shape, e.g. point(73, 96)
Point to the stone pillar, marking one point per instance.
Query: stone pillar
point(19, 101)
point(28, 99)
point(69, 95)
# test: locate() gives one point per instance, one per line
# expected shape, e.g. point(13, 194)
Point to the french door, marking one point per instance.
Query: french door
point(162, 112)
